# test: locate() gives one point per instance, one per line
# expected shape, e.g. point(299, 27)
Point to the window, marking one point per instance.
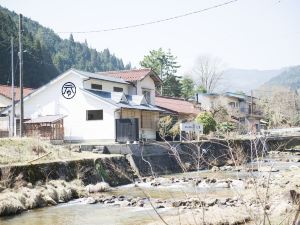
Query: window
point(147, 95)
point(118, 89)
point(96, 86)
point(94, 114)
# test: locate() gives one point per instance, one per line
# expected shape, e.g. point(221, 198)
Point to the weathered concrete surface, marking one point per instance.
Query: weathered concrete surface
point(175, 157)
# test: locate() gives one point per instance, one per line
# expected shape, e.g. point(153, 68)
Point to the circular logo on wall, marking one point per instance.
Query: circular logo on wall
point(68, 90)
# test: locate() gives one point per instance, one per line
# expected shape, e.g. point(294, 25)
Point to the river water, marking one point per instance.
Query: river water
point(77, 212)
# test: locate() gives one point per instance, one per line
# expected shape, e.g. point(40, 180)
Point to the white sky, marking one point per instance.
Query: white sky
point(248, 34)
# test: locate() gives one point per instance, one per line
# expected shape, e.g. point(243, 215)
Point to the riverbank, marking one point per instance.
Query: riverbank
point(51, 180)
point(267, 189)
point(237, 191)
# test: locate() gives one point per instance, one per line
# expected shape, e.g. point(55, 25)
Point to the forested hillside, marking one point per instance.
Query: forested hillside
point(290, 78)
point(46, 55)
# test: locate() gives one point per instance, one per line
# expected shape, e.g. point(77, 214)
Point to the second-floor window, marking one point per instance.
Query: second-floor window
point(147, 95)
point(96, 86)
point(118, 89)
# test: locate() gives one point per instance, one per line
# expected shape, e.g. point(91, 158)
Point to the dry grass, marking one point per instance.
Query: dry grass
point(22, 150)
point(15, 201)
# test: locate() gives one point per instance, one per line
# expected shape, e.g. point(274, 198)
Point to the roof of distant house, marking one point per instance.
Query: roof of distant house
point(177, 105)
point(132, 75)
point(5, 90)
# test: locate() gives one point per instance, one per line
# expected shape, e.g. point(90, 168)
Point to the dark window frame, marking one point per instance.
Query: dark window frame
point(91, 117)
point(118, 89)
point(96, 86)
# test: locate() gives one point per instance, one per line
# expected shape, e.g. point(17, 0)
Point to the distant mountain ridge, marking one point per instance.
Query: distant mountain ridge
point(289, 78)
point(245, 80)
point(46, 55)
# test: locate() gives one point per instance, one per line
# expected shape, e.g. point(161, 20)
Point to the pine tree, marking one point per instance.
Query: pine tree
point(165, 65)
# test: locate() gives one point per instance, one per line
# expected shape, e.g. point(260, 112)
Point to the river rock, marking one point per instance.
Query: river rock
point(237, 184)
point(121, 198)
point(294, 167)
point(211, 202)
point(141, 203)
point(176, 204)
point(155, 184)
point(90, 200)
point(222, 184)
point(215, 169)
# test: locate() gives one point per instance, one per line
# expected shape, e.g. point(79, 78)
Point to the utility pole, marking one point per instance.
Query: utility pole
point(12, 89)
point(21, 74)
point(251, 102)
point(161, 86)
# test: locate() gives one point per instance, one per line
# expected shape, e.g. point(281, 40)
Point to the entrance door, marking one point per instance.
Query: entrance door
point(127, 130)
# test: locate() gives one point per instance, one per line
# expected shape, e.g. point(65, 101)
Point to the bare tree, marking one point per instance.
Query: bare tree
point(208, 72)
point(280, 106)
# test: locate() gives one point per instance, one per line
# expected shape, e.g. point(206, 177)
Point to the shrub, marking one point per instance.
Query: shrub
point(208, 122)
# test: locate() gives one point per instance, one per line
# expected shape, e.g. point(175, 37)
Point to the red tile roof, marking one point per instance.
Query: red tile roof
point(5, 90)
point(177, 105)
point(132, 75)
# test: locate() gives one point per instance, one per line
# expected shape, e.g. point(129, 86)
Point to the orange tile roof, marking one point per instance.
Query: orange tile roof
point(177, 105)
point(132, 75)
point(5, 90)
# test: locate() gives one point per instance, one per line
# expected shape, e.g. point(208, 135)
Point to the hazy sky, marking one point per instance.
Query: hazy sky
point(248, 34)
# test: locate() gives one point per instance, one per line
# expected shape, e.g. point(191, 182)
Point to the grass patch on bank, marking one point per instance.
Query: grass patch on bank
point(23, 150)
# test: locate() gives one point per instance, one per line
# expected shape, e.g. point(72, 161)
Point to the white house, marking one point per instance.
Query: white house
point(83, 106)
point(242, 108)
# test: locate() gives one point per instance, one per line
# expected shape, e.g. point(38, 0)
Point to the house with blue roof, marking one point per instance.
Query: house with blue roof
point(82, 106)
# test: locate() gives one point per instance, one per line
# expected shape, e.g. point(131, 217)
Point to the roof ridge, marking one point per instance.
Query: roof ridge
point(123, 71)
point(171, 97)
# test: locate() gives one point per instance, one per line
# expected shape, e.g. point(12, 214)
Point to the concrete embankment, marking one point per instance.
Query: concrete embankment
point(174, 157)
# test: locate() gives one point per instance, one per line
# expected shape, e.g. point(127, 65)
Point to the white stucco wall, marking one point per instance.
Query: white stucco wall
point(148, 84)
point(106, 85)
point(51, 102)
point(207, 102)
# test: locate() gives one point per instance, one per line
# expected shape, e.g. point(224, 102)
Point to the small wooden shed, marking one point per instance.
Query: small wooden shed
point(49, 127)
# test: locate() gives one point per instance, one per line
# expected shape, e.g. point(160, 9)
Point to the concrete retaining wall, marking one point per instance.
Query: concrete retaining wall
point(175, 157)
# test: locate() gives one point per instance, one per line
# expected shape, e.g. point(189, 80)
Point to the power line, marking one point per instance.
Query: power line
point(154, 21)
